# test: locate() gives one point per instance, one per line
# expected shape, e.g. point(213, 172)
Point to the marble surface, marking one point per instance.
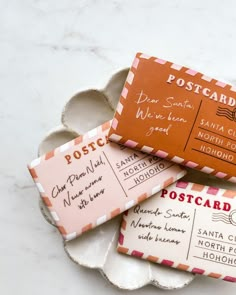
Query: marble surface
point(49, 51)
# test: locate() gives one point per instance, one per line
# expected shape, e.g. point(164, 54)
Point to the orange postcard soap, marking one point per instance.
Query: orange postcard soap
point(178, 114)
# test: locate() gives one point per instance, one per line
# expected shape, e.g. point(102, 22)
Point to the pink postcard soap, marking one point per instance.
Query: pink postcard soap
point(187, 226)
point(89, 180)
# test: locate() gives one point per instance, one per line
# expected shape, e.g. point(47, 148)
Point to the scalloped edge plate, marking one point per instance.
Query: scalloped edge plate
point(97, 248)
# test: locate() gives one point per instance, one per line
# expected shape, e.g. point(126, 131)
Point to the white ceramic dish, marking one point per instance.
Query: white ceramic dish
point(97, 248)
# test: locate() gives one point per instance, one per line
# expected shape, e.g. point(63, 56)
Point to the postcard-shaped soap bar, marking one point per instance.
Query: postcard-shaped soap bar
point(88, 181)
point(187, 226)
point(178, 114)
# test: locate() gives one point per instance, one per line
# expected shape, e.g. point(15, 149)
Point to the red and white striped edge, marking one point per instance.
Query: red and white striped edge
point(101, 219)
point(176, 264)
point(118, 138)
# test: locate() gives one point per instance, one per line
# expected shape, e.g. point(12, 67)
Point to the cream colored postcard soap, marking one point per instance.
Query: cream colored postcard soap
point(187, 226)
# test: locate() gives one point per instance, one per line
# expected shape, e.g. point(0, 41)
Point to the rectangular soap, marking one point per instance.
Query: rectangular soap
point(89, 180)
point(178, 114)
point(187, 226)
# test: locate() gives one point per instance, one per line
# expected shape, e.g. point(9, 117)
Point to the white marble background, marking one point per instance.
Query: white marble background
point(48, 51)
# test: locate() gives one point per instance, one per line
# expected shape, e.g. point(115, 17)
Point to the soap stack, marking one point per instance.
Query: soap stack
point(168, 117)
